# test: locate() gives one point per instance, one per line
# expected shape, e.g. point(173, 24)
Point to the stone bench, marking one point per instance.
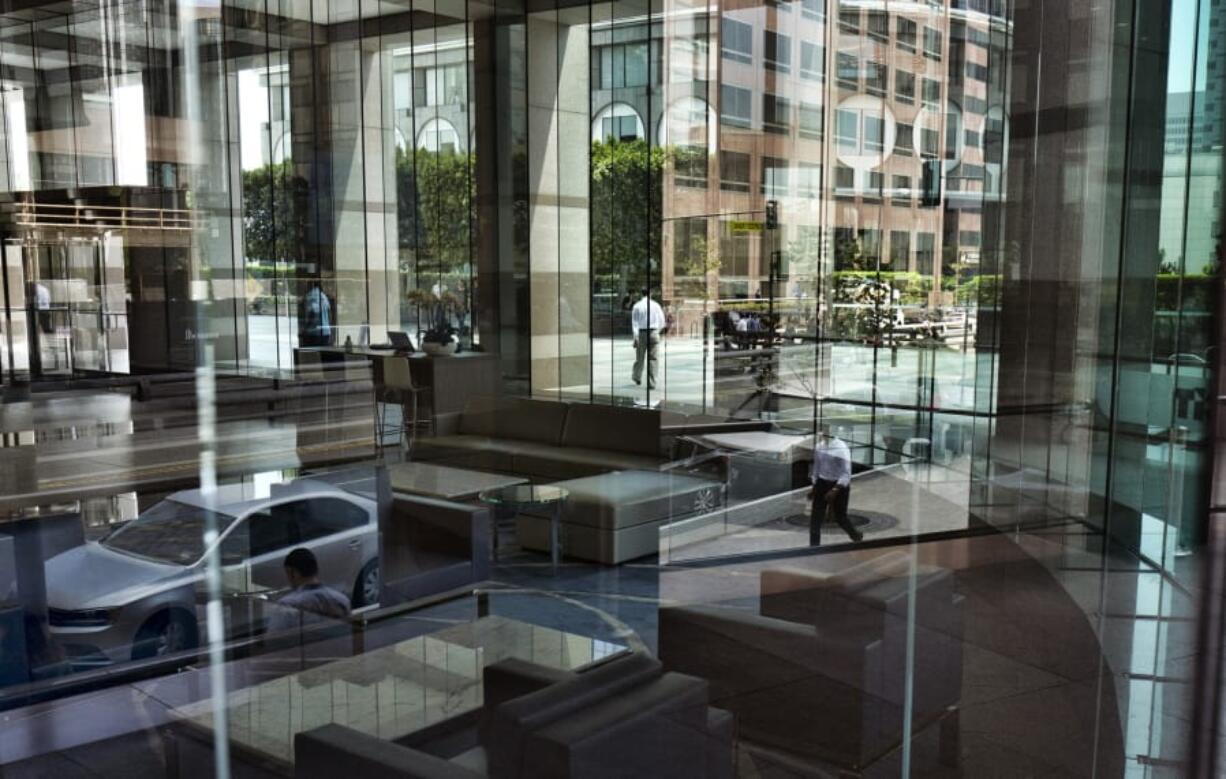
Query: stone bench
point(614, 517)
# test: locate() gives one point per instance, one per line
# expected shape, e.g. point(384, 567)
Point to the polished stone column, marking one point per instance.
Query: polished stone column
point(558, 153)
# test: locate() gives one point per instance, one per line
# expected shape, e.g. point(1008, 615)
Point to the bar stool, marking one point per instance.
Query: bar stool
point(398, 388)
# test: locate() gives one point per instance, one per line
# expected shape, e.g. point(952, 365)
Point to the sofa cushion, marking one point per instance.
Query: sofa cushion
point(654, 729)
point(616, 428)
point(509, 679)
point(606, 460)
point(851, 579)
point(334, 750)
point(446, 447)
point(818, 597)
point(466, 451)
point(512, 721)
point(480, 417)
point(566, 462)
point(525, 419)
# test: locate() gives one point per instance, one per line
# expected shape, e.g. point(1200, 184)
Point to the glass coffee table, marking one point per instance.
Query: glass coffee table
point(518, 497)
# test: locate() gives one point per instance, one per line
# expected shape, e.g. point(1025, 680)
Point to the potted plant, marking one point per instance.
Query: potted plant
point(441, 313)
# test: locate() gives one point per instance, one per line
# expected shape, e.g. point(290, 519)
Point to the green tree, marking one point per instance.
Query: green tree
point(275, 213)
point(692, 261)
point(804, 252)
point(849, 255)
point(627, 212)
point(435, 196)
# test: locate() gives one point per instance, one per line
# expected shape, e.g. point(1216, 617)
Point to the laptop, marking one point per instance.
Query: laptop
point(400, 341)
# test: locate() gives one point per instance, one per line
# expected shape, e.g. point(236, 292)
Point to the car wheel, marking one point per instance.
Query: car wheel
point(163, 635)
point(366, 590)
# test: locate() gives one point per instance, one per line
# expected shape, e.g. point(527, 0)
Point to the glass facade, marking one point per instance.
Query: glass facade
point(880, 334)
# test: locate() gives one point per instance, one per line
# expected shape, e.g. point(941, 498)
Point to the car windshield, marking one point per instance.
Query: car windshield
point(170, 532)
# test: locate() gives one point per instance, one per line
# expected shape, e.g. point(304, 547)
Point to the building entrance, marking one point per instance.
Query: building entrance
point(65, 307)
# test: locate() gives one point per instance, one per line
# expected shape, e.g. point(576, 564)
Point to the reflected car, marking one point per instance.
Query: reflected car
point(140, 592)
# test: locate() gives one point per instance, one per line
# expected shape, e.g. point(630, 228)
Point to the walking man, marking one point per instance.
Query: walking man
point(646, 325)
point(831, 477)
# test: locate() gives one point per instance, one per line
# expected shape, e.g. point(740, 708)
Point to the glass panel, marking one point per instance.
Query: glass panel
point(896, 319)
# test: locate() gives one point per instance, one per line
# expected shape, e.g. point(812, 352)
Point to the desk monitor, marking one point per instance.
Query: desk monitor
point(401, 341)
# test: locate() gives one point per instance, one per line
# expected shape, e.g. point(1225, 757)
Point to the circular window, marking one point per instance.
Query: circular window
point(864, 132)
point(927, 134)
point(689, 121)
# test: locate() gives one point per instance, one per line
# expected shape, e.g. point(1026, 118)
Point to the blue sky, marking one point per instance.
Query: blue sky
point(1183, 49)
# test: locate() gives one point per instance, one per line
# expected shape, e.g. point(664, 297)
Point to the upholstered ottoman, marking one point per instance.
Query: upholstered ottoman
point(614, 517)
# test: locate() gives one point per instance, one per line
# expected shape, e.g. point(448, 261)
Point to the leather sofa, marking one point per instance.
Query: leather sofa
point(625, 717)
point(546, 440)
point(611, 459)
point(818, 673)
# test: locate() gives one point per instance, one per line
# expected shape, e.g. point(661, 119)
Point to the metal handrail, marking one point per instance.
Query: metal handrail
point(35, 214)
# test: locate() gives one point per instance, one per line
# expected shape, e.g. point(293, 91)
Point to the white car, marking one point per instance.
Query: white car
point(140, 591)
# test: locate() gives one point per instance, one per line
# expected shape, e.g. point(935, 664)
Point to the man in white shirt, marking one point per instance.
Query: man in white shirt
point(647, 323)
point(831, 478)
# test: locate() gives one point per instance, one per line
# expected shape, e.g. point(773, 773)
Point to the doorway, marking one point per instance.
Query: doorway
point(65, 308)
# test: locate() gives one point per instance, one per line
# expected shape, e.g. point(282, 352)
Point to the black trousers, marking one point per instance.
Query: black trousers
point(818, 512)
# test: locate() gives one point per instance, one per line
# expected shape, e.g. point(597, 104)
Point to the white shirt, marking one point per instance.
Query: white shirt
point(306, 605)
point(646, 315)
point(831, 462)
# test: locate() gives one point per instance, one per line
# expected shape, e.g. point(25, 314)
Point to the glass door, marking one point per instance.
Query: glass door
point(75, 300)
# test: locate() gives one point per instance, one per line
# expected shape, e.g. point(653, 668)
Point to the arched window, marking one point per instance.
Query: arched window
point(618, 122)
point(438, 135)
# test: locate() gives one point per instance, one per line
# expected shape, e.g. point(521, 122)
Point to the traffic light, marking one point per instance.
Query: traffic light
point(772, 215)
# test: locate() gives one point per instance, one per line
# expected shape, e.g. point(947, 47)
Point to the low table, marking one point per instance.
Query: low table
point(443, 481)
point(530, 496)
point(388, 692)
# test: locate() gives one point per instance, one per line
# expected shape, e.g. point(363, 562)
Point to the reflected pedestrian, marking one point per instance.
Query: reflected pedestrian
point(831, 491)
point(647, 323)
point(315, 317)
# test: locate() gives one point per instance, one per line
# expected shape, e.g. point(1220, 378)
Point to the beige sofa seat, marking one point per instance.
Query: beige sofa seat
point(466, 451)
point(613, 428)
point(561, 463)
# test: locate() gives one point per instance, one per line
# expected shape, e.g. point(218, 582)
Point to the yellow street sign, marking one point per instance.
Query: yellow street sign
point(745, 227)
